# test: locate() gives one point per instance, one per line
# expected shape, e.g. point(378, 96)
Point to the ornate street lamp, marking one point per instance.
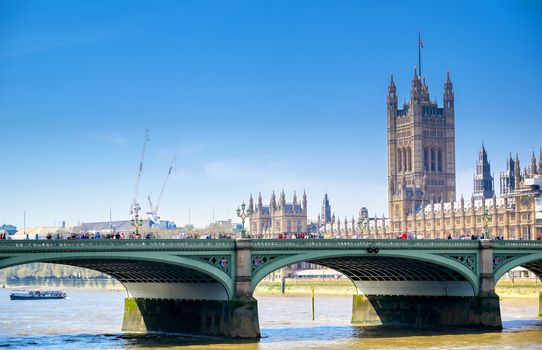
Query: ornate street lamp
point(243, 212)
point(486, 218)
point(137, 223)
point(362, 225)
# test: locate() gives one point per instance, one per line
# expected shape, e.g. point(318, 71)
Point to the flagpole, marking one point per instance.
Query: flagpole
point(419, 54)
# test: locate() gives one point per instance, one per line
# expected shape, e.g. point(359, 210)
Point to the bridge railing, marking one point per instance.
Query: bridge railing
point(30, 246)
point(517, 244)
point(7, 246)
point(303, 244)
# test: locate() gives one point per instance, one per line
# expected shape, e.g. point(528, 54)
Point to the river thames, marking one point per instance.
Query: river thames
point(92, 319)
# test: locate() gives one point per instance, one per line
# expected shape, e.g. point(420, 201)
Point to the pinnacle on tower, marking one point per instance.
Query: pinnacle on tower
point(448, 84)
point(540, 162)
point(251, 203)
point(517, 172)
point(533, 165)
point(391, 88)
point(273, 202)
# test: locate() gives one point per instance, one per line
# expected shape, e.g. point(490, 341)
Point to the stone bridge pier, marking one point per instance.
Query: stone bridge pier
point(426, 304)
point(204, 312)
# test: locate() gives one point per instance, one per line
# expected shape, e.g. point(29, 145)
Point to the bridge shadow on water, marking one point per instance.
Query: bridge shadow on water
point(282, 334)
point(319, 333)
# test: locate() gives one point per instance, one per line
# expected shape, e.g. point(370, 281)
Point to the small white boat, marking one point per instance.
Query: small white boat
point(37, 294)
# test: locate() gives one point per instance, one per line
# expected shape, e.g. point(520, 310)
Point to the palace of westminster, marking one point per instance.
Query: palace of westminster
point(421, 185)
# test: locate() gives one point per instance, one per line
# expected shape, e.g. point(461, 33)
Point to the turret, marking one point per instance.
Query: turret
point(251, 204)
point(304, 202)
point(294, 201)
point(260, 204)
point(392, 95)
point(448, 93)
point(273, 202)
point(540, 162)
point(416, 89)
point(282, 203)
point(517, 172)
point(533, 165)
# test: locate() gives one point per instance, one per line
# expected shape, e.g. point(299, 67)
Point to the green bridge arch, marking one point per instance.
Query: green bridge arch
point(277, 258)
point(508, 254)
point(176, 263)
point(532, 262)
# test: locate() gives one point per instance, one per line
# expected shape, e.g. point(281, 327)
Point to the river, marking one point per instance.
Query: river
point(92, 319)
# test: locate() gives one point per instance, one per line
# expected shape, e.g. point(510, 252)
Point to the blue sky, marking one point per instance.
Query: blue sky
point(249, 96)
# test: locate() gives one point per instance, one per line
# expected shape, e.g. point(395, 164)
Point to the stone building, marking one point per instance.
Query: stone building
point(421, 151)
point(277, 218)
point(421, 178)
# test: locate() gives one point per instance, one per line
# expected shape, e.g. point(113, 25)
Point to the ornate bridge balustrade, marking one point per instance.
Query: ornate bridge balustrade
point(206, 286)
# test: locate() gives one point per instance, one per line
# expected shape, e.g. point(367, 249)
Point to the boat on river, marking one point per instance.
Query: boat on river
point(37, 294)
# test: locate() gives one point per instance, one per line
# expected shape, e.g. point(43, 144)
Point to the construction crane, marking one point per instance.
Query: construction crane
point(135, 208)
point(153, 213)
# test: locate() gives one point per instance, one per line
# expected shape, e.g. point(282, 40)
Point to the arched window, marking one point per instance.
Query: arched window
point(425, 159)
point(404, 159)
point(399, 160)
point(433, 159)
point(439, 160)
point(409, 155)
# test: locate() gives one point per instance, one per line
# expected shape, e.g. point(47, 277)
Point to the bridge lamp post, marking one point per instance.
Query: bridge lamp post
point(362, 225)
point(486, 218)
point(243, 212)
point(137, 223)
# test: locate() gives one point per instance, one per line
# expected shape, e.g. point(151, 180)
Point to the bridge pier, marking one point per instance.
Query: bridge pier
point(432, 311)
point(216, 316)
point(236, 318)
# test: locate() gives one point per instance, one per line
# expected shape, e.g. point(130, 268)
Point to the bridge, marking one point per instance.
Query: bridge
point(206, 286)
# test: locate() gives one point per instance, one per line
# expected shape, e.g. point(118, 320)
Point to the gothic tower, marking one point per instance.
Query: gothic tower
point(421, 150)
point(326, 211)
point(507, 179)
point(483, 181)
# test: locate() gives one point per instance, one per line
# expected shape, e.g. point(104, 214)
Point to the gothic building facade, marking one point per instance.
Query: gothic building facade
point(277, 218)
point(421, 150)
point(421, 178)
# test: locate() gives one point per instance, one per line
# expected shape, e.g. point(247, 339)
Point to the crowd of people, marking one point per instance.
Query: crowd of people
point(183, 235)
